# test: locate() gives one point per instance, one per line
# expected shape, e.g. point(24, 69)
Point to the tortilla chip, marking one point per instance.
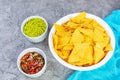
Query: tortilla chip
point(98, 54)
point(79, 17)
point(55, 40)
point(68, 47)
point(82, 53)
point(88, 32)
point(108, 47)
point(77, 37)
point(64, 40)
point(59, 28)
point(97, 26)
point(65, 53)
point(72, 25)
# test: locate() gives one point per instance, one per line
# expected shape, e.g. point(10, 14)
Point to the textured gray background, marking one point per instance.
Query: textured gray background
point(12, 42)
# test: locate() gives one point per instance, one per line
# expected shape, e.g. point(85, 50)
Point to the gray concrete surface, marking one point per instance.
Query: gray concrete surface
point(12, 42)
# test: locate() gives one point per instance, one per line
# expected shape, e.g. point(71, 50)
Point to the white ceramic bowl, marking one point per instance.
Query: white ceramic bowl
point(35, 39)
point(32, 50)
point(102, 62)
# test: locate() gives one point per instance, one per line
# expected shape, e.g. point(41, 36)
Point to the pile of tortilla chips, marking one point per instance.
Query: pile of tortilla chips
point(81, 41)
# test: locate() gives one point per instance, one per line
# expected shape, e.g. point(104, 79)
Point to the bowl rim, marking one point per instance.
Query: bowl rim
point(32, 50)
point(29, 18)
point(95, 66)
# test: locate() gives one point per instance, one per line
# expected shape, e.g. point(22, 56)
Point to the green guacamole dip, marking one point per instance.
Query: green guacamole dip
point(34, 27)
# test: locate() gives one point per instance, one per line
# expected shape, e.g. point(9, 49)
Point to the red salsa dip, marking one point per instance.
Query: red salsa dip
point(32, 62)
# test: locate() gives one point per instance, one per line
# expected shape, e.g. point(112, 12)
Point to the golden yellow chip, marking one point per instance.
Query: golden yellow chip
point(77, 19)
point(77, 37)
point(88, 32)
point(98, 35)
point(59, 47)
point(62, 34)
point(98, 54)
point(88, 39)
point(55, 40)
point(59, 28)
point(65, 53)
point(86, 23)
point(108, 47)
point(82, 53)
point(97, 26)
point(68, 47)
point(101, 38)
point(72, 25)
point(63, 40)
